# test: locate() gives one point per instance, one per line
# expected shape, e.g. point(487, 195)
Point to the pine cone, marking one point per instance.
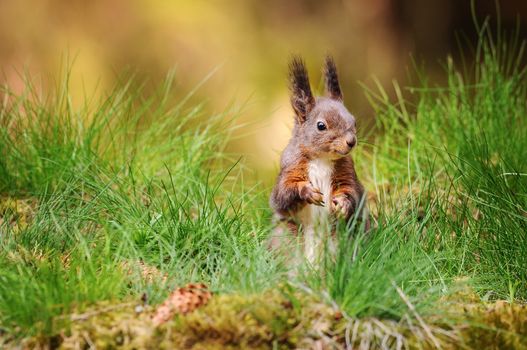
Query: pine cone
point(181, 301)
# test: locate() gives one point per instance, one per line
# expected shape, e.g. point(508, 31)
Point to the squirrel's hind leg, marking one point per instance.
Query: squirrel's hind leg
point(284, 240)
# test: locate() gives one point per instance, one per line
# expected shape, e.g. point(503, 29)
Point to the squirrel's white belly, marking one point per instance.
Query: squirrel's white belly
point(314, 219)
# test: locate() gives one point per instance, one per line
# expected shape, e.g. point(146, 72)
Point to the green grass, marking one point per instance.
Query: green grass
point(128, 179)
point(468, 139)
point(117, 181)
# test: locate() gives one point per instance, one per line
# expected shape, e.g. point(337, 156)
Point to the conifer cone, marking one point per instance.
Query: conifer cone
point(182, 301)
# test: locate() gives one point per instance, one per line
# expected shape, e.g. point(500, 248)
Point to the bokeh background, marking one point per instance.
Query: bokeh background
point(246, 43)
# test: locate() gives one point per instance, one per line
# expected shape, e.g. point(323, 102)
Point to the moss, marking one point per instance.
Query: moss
point(502, 324)
point(228, 321)
point(250, 322)
point(277, 320)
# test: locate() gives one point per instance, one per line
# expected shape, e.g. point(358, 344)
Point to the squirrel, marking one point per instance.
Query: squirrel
point(317, 181)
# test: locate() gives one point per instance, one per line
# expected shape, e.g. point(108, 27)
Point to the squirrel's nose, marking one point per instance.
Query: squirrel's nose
point(351, 141)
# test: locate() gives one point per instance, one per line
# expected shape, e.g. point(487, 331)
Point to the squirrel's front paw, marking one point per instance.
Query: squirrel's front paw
point(342, 206)
point(312, 195)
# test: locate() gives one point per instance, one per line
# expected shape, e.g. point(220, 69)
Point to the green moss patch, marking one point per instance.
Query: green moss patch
point(276, 320)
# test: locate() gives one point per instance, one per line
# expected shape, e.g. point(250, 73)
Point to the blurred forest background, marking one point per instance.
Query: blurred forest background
point(246, 43)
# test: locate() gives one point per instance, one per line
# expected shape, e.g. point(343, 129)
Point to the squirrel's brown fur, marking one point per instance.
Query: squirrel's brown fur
point(317, 156)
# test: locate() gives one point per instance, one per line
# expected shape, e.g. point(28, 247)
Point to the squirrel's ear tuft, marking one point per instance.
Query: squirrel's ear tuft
point(301, 96)
point(332, 80)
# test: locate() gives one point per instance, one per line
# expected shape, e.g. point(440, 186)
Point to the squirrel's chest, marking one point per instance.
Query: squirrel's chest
point(314, 219)
point(319, 173)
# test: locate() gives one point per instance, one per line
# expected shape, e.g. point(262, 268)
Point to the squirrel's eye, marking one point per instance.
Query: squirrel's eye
point(321, 126)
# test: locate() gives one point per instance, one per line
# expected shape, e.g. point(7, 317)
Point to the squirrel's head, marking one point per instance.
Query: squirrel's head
point(324, 125)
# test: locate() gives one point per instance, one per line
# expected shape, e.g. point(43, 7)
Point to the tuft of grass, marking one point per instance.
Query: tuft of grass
point(127, 178)
point(466, 139)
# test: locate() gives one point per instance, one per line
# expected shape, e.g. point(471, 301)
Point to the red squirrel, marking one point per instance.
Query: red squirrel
point(317, 180)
